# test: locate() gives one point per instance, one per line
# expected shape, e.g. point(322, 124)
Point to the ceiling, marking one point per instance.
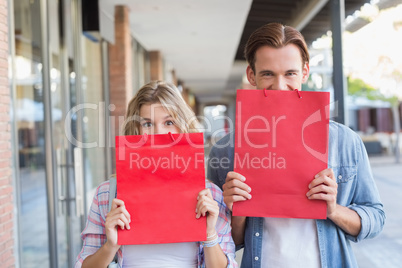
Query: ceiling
point(199, 39)
point(204, 40)
point(316, 12)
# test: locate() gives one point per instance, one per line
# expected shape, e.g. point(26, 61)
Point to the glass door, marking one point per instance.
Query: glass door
point(29, 119)
point(59, 107)
point(81, 139)
point(42, 176)
point(84, 128)
point(63, 96)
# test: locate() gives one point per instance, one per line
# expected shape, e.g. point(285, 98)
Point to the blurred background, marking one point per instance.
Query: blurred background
point(69, 68)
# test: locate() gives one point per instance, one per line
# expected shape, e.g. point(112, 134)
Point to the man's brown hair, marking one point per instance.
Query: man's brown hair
point(275, 35)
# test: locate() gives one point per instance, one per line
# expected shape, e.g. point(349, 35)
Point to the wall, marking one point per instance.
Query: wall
point(6, 188)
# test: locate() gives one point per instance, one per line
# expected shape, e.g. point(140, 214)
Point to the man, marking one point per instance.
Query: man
point(278, 60)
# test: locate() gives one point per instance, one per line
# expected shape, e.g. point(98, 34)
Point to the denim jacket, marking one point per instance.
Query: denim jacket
point(357, 190)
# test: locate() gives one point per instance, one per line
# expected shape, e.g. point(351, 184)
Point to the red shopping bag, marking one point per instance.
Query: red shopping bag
point(281, 142)
point(159, 178)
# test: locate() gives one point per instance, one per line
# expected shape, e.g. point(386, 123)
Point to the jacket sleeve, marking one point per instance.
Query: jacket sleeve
point(221, 160)
point(366, 201)
point(212, 170)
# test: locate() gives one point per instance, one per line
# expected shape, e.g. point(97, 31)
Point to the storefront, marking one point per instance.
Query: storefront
point(61, 144)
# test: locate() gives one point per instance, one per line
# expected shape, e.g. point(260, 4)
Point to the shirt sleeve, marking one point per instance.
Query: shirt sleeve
point(94, 235)
point(366, 201)
point(223, 226)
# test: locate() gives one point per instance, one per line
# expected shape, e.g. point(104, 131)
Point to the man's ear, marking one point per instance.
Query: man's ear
point(306, 72)
point(251, 76)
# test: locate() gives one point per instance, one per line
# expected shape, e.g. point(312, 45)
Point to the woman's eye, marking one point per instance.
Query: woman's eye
point(169, 123)
point(147, 124)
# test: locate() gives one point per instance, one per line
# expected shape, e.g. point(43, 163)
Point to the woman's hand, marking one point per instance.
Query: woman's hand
point(207, 206)
point(118, 216)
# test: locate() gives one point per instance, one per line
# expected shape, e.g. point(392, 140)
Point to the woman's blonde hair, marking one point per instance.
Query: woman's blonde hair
point(170, 98)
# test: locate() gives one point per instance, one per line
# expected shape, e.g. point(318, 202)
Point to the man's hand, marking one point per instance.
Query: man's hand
point(324, 187)
point(235, 189)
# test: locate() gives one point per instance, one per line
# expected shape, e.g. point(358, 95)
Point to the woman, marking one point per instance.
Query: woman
point(157, 108)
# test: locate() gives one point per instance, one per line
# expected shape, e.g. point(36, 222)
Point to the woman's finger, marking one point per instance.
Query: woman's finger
point(118, 206)
point(112, 221)
point(206, 204)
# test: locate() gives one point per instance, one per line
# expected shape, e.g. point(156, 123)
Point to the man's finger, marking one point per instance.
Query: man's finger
point(236, 184)
point(235, 176)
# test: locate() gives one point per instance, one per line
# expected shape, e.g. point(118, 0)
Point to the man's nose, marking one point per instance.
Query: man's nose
point(279, 83)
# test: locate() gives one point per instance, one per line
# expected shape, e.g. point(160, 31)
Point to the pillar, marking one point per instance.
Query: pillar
point(156, 64)
point(338, 78)
point(120, 68)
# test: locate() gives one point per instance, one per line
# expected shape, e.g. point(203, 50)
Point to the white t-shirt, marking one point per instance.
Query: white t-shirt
point(291, 243)
point(178, 255)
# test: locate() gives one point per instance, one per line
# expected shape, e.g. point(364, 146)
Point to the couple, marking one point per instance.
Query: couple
point(278, 60)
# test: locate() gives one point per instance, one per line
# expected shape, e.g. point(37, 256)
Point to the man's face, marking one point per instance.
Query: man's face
point(278, 69)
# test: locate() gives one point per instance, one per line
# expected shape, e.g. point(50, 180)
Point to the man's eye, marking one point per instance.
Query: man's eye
point(147, 124)
point(292, 74)
point(267, 74)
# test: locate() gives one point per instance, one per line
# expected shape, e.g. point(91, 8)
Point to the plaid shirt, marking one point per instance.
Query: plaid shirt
point(94, 235)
